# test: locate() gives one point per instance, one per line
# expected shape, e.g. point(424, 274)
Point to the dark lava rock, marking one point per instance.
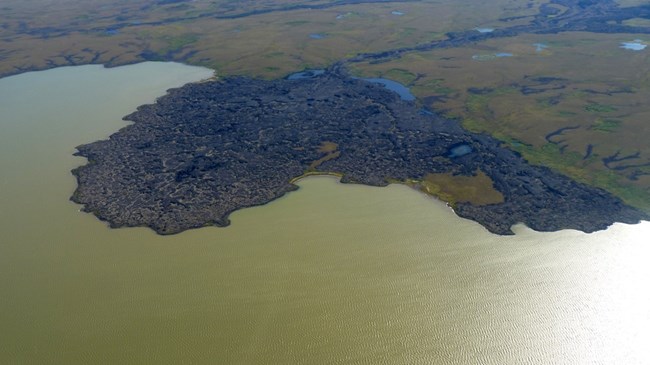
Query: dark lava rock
point(207, 149)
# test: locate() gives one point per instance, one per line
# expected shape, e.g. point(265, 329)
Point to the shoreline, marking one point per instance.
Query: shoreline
point(233, 147)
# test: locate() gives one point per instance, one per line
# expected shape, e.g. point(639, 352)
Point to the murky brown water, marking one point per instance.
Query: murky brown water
point(331, 274)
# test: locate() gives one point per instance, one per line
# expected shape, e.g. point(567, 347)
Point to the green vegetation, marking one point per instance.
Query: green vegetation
point(566, 114)
point(400, 75)
point(297, 23)
point(435, 86)
point(453, 189)
point(572, 164)
point(637, 22)
point(550, 155)
point(606, 125)
point(177, 43)
point(599, 108)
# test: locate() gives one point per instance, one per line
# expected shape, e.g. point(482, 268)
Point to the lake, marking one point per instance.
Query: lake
point(329, 274)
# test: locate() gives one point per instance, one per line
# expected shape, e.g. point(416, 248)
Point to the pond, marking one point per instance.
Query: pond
point(636, 45)
point(459, 150)
point(401, 90)
point(484, 30)
point(491, 56)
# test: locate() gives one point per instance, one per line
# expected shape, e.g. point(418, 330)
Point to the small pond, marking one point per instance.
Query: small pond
point(459, 150)
point(403, 91)
point(487, 57)
point(636, 45)
point(539, 47)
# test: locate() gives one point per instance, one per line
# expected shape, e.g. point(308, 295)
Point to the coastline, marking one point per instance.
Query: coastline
point(240, 142)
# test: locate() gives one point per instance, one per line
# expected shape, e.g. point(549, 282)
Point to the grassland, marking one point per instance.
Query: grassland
point(454, 189)
point(637, 22)
point(42, 34)
point(330, 151)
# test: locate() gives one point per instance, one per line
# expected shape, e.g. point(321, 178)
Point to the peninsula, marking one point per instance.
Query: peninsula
point(207, 149)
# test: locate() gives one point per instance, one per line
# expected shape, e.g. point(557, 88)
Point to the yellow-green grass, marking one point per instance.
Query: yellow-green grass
point(330, 151)
point(637, 22)
point(453, 189)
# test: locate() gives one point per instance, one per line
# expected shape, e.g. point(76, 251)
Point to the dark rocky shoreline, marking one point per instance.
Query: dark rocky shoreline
point(207, 149)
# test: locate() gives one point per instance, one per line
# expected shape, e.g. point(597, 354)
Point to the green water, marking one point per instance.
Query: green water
point(330, 274)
